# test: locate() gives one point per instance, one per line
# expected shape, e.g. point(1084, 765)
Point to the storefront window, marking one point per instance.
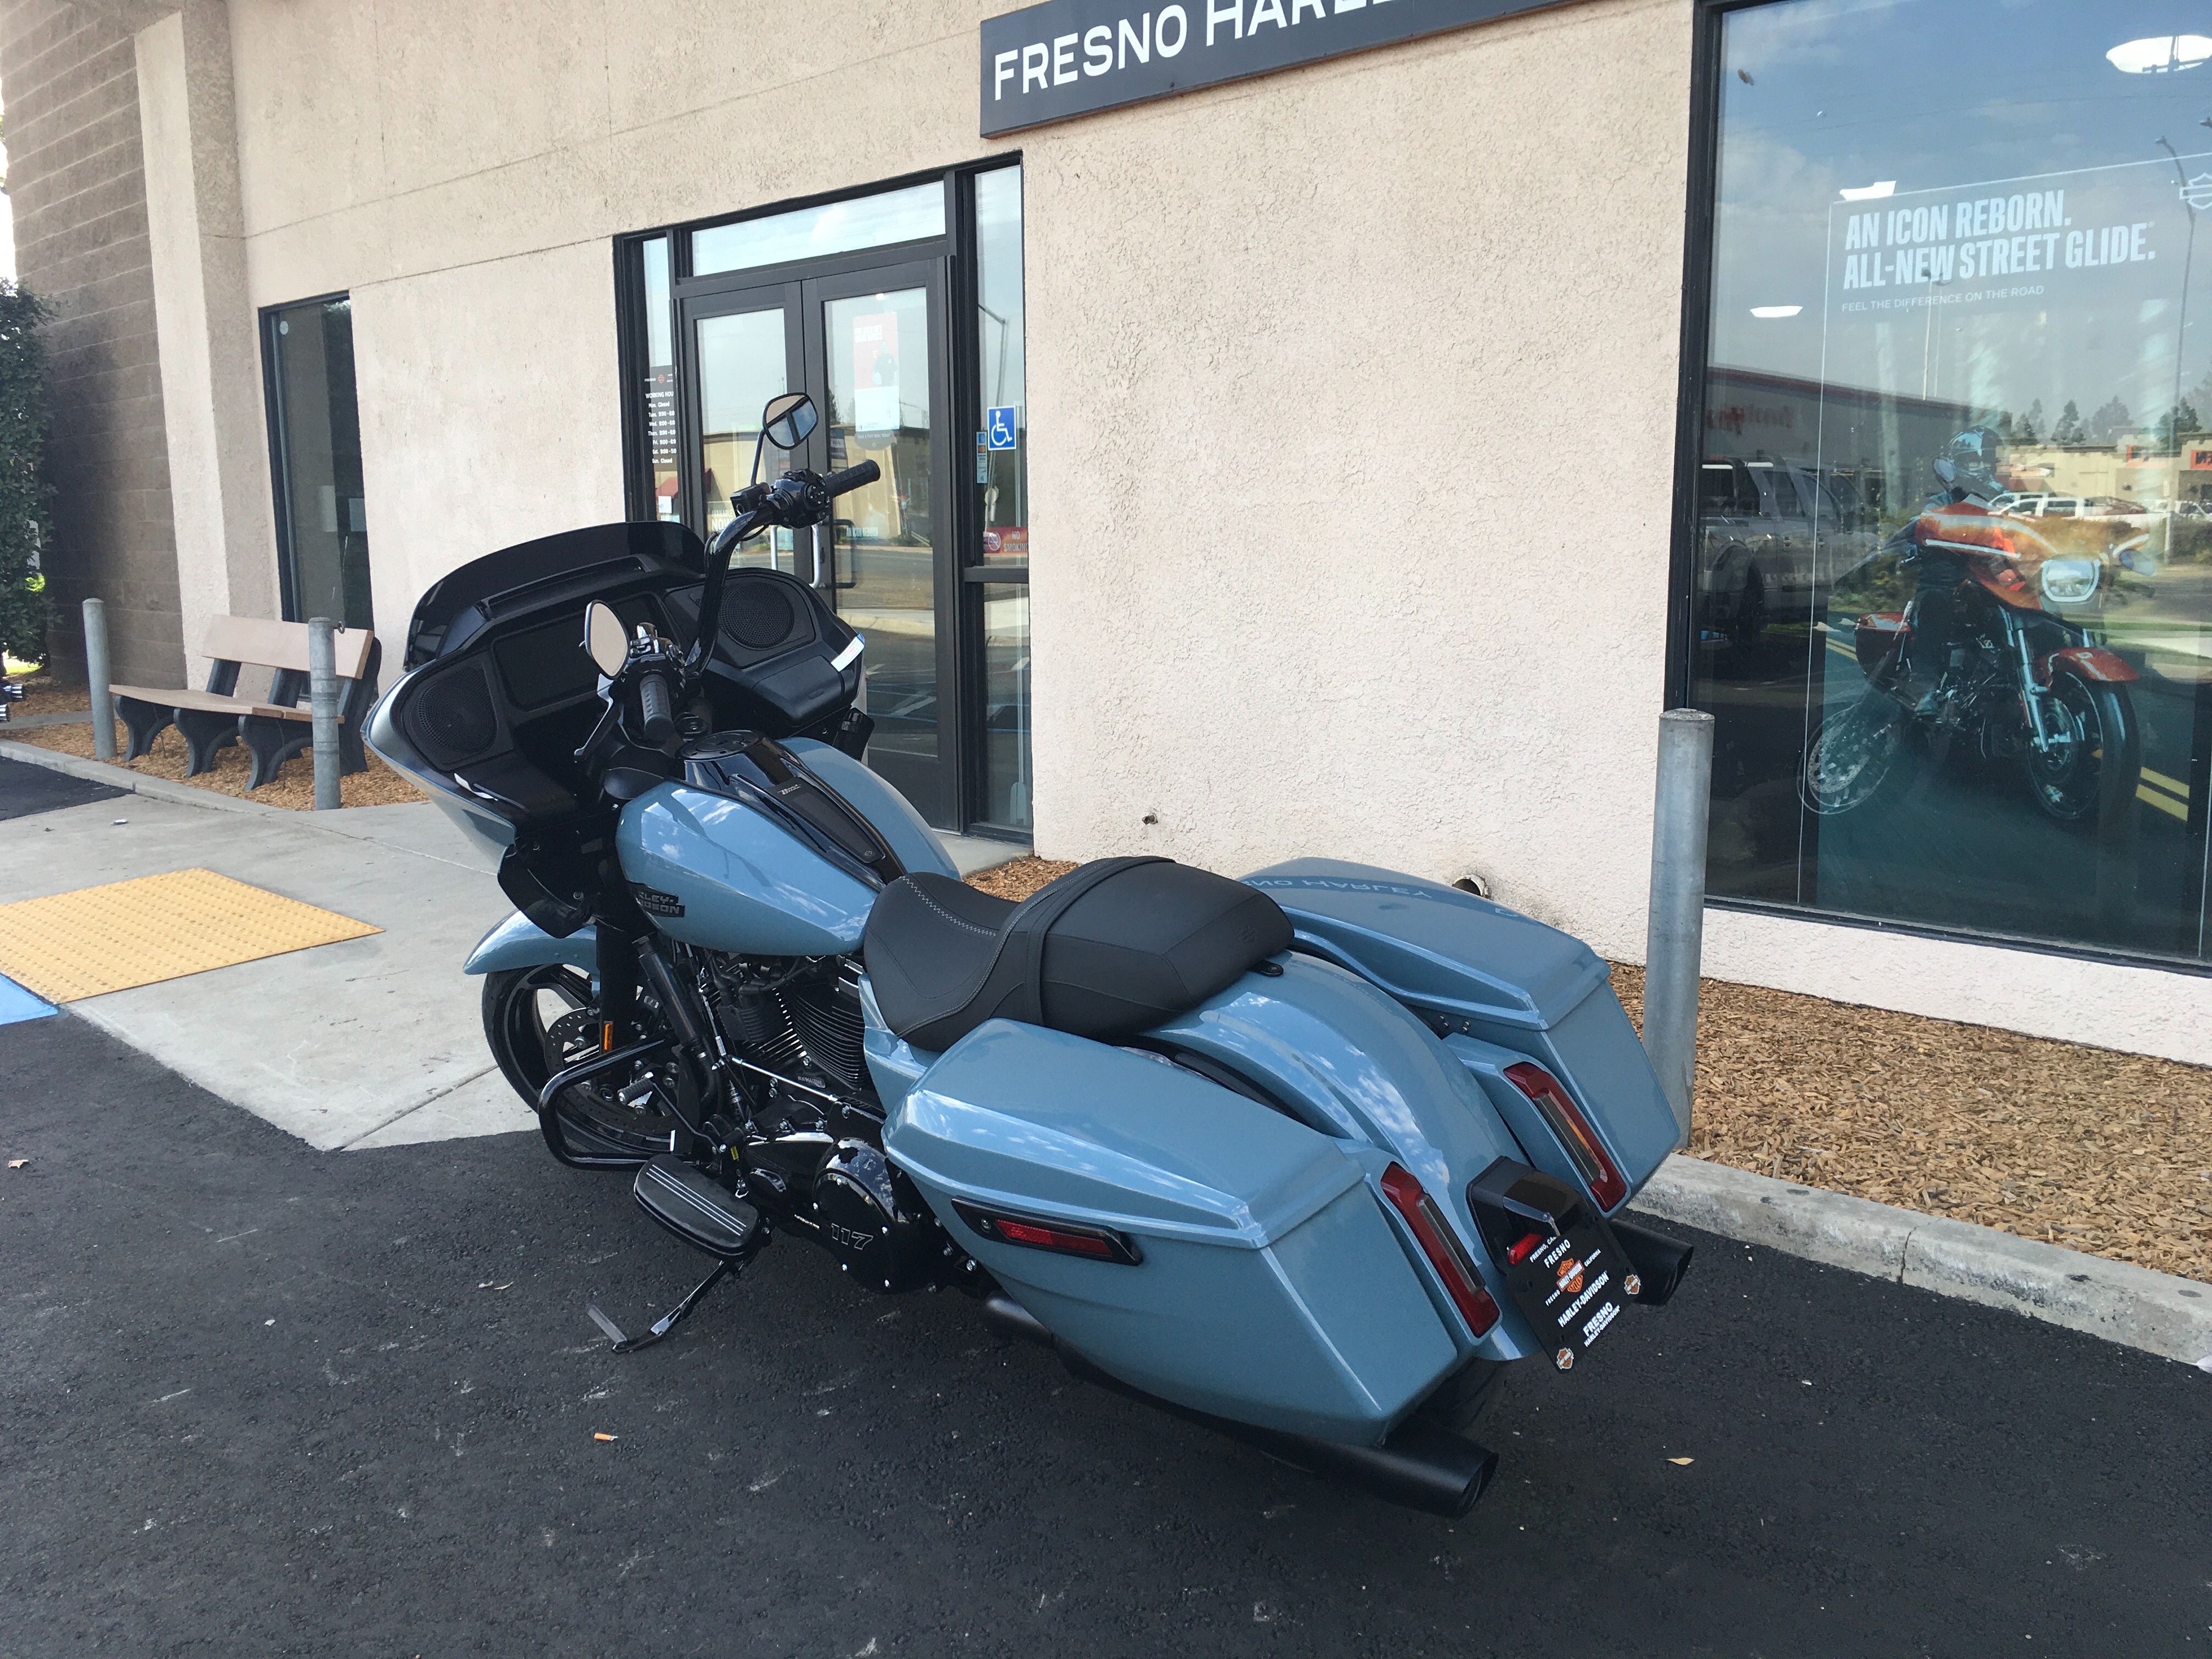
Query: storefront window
point(314, 429)
point(1002, 484)
point(1952, 559)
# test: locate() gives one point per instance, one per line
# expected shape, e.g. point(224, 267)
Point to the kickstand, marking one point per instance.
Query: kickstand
point(669, 1320)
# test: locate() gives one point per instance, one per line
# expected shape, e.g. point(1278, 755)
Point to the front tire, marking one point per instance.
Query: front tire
point(538, 1021)
point(2092, 774)
point(1853, 755)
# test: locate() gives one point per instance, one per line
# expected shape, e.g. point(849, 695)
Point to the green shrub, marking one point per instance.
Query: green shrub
point(25, 497)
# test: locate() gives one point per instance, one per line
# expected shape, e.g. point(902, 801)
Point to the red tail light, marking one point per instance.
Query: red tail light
point(1067, 1239)
point(1434, 1234)
point(1574, 1132)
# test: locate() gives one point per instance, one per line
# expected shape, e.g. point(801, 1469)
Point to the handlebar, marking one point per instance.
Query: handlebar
point(656, 707)
point(851, 478)
point(795, 500)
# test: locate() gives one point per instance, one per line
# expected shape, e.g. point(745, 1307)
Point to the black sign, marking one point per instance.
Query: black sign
point(1075, 56)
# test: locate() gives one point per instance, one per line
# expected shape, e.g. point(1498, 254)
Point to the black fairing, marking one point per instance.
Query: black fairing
point(504, 694)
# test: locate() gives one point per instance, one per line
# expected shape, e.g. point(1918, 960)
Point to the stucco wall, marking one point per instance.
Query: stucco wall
point(1318, 567)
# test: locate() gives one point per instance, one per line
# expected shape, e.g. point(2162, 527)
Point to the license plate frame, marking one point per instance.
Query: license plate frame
point(1572, 1282)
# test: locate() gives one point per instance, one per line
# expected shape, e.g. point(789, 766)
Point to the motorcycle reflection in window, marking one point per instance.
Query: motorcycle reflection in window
point(1998, 648)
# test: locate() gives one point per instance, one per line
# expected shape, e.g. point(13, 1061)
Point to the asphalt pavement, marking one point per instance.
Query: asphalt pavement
point(264, 1400)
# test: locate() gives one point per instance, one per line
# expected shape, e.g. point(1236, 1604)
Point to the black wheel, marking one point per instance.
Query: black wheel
point(539, 1020)
point(2090, 773)
point(1854, 753)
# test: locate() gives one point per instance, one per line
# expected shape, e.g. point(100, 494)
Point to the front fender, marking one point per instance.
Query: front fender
point(2092, 663)
point(520, 943)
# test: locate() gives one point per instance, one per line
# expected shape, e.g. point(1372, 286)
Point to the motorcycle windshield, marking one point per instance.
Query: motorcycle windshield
point(569, 568)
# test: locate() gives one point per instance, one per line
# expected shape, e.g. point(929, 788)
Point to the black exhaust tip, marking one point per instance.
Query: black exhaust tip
point(1421, 1466)
point(1659, 1261)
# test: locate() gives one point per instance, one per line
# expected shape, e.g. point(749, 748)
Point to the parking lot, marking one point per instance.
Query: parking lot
point(265, 1400)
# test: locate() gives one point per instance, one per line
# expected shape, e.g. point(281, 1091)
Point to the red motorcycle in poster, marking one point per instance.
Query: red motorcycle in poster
point(2026, 678)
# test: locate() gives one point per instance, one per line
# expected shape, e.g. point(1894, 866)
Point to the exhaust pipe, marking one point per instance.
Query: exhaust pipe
point(1420, 1467)
point(1659, 1261)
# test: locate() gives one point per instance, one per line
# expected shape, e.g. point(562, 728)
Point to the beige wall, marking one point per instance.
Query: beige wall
point(1352, 404)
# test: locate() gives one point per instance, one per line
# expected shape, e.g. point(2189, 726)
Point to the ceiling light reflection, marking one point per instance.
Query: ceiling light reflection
point(2160, 54)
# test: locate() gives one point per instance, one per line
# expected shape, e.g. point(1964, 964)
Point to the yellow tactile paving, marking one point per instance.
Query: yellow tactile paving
point(157, 927)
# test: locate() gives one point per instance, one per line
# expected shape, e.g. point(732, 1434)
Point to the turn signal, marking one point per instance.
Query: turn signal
point(1574, 1132)
point(1434, 1234)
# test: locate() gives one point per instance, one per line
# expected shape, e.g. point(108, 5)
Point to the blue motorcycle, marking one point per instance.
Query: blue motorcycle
point(1310, 1157)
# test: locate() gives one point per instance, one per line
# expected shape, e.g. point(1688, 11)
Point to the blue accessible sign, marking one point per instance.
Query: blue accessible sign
point(999, 423)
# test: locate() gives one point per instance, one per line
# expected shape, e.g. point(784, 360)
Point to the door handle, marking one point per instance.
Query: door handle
point(816, 533)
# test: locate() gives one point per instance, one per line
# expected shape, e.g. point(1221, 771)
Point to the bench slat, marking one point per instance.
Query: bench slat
point(282, 644)
point(210, 701)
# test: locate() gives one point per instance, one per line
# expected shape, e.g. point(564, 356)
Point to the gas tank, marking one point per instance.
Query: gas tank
point(770, 849)
point(713, 871)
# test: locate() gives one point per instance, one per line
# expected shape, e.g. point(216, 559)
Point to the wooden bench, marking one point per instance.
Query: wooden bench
point(273, 731)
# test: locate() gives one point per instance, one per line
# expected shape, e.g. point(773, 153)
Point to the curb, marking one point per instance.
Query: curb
point(2158, 1313)
point(122, 777)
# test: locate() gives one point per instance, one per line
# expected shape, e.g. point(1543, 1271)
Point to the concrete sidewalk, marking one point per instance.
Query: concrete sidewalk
point(374, 1042)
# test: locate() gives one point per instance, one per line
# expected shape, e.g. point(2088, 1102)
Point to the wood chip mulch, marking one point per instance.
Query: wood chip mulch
point(1022, 877)
point(293, 786)
point(2104, 1153)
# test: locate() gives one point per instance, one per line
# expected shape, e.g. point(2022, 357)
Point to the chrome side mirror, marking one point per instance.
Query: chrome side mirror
point(605, 642)
point(788, 419)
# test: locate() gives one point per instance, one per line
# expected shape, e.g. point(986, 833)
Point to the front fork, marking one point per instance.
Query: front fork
point(2032, 694)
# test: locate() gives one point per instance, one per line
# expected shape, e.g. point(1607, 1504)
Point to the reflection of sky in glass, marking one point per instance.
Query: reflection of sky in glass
point(896, 215)
point(1940, 95)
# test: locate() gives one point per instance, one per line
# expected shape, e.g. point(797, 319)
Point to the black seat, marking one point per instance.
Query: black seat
point(1107, 950)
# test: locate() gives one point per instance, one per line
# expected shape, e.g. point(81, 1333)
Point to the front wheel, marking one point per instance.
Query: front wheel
point(2091, 770)
point(1854, 752)
point(540, 1021)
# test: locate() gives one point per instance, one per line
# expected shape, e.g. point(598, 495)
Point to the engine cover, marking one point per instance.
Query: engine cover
point(874, 1222)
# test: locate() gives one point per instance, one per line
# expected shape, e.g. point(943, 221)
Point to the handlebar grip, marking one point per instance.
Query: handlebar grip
point(656, 710)
point(852, 477)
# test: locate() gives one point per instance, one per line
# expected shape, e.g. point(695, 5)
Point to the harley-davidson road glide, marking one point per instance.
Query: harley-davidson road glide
point(1309, 1156)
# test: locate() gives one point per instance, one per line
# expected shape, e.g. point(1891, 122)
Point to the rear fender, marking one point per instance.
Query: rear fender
point(520, 943)
point(1348, 1060)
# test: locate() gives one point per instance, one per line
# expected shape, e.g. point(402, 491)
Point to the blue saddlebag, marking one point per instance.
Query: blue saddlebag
point(1267, 1284)
point(1498, 987)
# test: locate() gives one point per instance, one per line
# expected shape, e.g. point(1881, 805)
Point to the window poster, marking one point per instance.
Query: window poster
point(1953, 557)
point(876, 372)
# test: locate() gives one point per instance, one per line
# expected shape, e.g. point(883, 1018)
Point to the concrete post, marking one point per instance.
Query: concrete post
point(96, 677)
point(322, 705)
point(1675, 942)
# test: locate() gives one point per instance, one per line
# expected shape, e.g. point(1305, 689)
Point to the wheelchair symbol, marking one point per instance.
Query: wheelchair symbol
point(999, 423)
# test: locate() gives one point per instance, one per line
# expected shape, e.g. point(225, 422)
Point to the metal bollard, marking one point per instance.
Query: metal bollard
point(97, 677)
point(1675, 941)
point(323, 704)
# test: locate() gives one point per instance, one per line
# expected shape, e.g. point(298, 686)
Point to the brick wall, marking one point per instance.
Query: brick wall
point(76, 182)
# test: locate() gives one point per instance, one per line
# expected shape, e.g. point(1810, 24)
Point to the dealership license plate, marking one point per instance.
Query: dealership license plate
point(1570, 1289)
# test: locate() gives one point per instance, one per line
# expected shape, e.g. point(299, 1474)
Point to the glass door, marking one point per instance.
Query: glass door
point(742, 349)
point(865, 346)
point(873, 340)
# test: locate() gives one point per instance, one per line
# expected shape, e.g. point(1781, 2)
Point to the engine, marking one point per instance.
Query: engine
point(875, 1223)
